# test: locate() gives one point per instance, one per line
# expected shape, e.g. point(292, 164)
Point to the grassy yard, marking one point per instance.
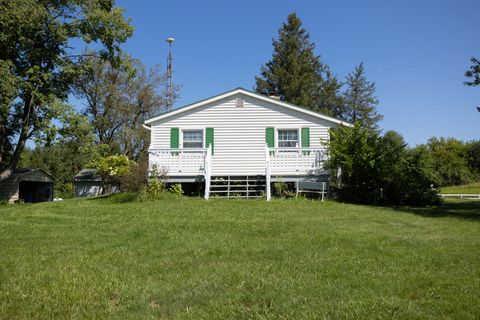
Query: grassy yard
point(238, 259)
point(467, 188)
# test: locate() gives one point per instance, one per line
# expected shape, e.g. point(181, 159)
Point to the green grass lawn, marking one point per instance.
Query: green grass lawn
point(467, 188)
point(186, 258)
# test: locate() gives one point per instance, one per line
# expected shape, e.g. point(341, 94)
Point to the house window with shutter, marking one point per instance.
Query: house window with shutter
point(287, 138)
point(192, 139)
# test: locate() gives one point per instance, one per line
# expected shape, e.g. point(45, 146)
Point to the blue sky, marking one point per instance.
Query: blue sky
point(415, 51)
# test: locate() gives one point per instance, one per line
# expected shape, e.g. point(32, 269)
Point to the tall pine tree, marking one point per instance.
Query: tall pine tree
point(473, 73)
point(294, 73)
point(297, 75)
point(360, 100)
point(329, 99)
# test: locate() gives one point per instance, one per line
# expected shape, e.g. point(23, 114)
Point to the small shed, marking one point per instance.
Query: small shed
point(87, 183)
point(28, 184)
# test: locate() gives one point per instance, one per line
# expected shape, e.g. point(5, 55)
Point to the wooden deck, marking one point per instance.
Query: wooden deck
point(277, 164)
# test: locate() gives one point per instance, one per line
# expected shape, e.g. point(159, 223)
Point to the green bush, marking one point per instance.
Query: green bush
point(111, 168)
point(280, 188)
point(135, 178)
point(356, 152)
point(63, 190)
point(176, 189)
point(451, 161)
point(473, 153)
point(381, 169)
point(153, 188)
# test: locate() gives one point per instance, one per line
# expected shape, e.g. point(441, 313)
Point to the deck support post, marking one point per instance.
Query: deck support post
point(267, 173)
point(208, 171)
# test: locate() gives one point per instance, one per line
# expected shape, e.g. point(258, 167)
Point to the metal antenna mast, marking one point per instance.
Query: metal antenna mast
point(169, 91)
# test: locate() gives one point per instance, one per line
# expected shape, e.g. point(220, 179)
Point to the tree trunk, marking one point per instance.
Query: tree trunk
point(22, 140)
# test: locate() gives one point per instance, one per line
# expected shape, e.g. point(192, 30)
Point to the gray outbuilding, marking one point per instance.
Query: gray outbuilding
point(29, 185)
point(87, 183)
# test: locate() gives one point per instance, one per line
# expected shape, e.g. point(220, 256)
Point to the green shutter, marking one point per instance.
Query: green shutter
point(209, 138)
point(306, 139)
point(174, 139)
point(270, 137)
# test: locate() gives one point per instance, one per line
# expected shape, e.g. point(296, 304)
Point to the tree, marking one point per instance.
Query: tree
point(473, 151)
point(38, 65)
point(451, 159)
point(473, 73)
point(329, 98)
point(111, 168)
point(294, 73)
point(360, 100)
point(379, 169)
point(118, 99)
point(75, 138)
point(355, 150)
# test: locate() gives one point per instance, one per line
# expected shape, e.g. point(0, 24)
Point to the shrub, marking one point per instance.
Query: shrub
point(473, 153)
point(135, 179)
point(356, 152)
point(451, 161)
point(176, 189)
point(381, 169)
point(63, 190)
point(280, 188)
point(111, 168)
point(413, 183)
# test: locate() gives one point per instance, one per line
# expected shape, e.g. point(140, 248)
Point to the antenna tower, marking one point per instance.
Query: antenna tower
point(169, 91)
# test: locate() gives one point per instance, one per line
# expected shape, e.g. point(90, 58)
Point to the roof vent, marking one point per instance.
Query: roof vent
point(239, 102)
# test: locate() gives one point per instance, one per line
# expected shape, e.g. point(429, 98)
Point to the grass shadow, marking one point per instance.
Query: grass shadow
point(116, 197)
point(462, 209)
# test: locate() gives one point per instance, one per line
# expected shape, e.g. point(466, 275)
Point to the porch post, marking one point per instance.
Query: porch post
point(267, 172)
point(208, 171)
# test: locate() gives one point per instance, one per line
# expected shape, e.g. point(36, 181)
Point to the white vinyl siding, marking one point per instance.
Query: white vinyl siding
point(240, 132)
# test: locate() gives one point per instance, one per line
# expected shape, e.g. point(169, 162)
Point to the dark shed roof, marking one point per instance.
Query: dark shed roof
point(32, 174)
point(87, 175)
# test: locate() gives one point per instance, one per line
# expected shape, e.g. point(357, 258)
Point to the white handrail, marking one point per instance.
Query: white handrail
point(179, 161)
point(184, 150)
point(297, 161)
point(299, 149)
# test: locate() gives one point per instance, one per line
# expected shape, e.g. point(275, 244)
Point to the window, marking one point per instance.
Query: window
point(193, 138)
point(288, 138)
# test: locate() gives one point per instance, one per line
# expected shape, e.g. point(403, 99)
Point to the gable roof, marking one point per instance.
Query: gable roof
point(87, 174)
point(250, 94)
point(22, 173)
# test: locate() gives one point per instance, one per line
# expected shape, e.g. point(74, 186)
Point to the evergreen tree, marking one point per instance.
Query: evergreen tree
point(473, 73)
point(294, 73)
point(329, 99)
point(360, 100)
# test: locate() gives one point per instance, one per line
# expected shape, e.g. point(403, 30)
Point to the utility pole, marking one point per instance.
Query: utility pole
point(169, 91)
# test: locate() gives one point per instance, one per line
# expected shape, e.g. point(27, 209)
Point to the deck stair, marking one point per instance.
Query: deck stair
point(237, 186)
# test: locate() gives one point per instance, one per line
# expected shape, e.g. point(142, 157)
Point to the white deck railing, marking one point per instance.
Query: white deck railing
point(179, 161)
point(297, 161)
point(278, 162)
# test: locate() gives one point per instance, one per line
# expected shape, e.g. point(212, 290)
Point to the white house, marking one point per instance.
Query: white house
point(238, 142)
